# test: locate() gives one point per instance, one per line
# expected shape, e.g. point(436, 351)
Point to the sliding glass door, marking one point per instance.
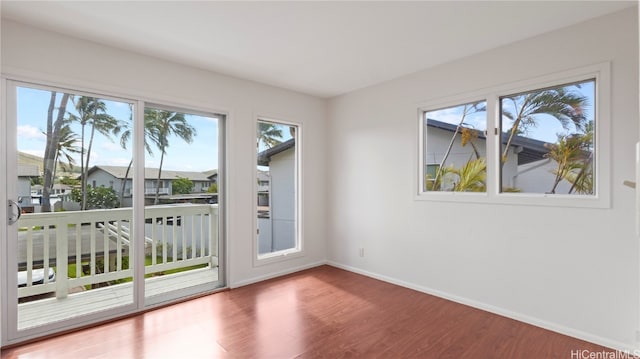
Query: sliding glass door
point(112, 206)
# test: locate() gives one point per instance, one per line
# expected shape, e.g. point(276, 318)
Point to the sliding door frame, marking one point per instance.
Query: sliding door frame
point(10, 82)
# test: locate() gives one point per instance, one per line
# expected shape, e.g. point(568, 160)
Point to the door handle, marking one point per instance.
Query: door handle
point(13, 217)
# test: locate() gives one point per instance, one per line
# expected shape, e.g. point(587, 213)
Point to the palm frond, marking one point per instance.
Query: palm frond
point(472, 176)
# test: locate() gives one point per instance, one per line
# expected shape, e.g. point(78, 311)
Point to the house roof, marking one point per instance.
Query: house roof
point(532, 150)
point(264, 157)
point(211, 173)
point(152, 173)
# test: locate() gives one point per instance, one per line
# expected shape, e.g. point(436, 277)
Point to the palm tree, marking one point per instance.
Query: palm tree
point(467, 110)
point(574, 159)
point(124, 140)
point(66, 148)
point(93, 113)
point(269, 134)
point(582, 179)
point(54, 127)
point(468, 136)
point(162, 124)
point(472, 177)
point(565, 106)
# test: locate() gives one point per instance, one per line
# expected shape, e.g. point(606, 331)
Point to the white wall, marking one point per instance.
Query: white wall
point(29, 52)
point(573, 270)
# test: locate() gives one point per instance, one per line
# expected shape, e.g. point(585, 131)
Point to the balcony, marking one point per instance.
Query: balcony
point(90, 250)
point(149, 191)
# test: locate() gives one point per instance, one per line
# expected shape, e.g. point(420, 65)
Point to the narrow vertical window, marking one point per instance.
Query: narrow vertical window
point(277, 188)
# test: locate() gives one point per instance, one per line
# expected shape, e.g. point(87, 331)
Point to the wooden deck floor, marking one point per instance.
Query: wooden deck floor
point(36, 313)
point(319, 313)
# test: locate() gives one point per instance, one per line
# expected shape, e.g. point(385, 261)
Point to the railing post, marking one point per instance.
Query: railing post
point(213, 235)
point(62, 260)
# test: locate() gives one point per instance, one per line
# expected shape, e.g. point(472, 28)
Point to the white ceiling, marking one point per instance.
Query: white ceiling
point(320, 48)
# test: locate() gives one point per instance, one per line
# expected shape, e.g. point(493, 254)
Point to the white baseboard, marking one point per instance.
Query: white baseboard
point(615, 345)
point(261, 278)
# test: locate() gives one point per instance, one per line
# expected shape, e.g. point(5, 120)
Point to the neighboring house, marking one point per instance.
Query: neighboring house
point(534, 176)
point(59, 193)
point(263, 188)
point(526, 168)
point(113, 177)
point(56, 191)
point(25, 174)
point(212, 175)
point(276, 228)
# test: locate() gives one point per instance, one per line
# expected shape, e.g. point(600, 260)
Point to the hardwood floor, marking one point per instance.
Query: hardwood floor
point(323, 312)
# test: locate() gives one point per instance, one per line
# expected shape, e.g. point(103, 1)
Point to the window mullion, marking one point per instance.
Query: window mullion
point(493, 145)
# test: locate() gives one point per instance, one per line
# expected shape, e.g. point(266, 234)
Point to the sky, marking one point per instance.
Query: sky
point(201, 155)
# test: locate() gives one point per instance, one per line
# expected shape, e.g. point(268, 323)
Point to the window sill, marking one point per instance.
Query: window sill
point(275, 257)
point(518, 199)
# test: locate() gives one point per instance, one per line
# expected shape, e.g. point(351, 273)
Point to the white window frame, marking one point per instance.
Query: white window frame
point(451, 102)
point(602, 138)
point(298, 250)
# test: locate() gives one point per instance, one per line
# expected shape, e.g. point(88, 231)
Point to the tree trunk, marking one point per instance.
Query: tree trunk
point(85, 175)
point(124, 182)
point(475, 150)
point(157, 200)
point(448, 152)
point(53, 137)
point(512, 134)
point(582, 173)
point(83, 181)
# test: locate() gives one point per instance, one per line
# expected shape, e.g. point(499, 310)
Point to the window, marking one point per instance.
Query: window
point(547, 140)
point(277, 189)
point(455, 154)
point(543, 142)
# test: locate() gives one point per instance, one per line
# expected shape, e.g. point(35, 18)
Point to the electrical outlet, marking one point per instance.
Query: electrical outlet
point(361, 252)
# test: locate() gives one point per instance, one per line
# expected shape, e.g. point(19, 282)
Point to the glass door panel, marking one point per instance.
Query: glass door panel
point(71, 250)
point(181, 203)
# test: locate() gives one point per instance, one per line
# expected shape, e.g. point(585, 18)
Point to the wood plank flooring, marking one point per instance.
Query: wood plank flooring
point(323, 312)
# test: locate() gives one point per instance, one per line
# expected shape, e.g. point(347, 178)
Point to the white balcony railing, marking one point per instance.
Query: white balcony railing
point(153, 191)
point(176, 236)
